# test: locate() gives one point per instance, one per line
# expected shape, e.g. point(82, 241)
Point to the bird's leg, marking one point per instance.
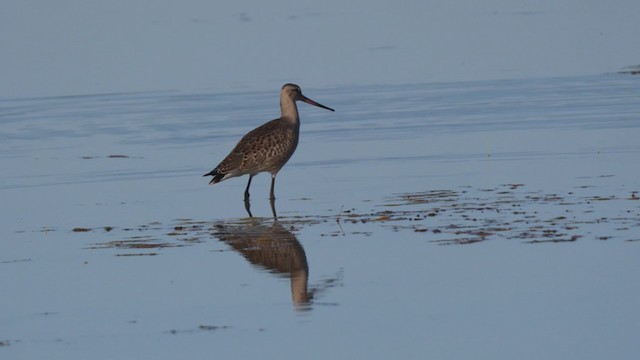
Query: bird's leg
point(272, 201)
point(273, 183)
point(246, 191)
point(247, 206)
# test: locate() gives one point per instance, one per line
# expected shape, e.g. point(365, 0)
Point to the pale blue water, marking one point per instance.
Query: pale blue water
point(536, 177)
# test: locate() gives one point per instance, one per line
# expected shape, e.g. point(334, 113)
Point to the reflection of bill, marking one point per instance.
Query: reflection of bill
point(272, 247)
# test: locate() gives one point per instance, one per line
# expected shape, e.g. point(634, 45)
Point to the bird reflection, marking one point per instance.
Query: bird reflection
point(272, 202)
point(272, 247)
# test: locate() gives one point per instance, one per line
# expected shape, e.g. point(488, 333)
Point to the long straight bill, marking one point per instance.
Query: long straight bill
point(309, 101)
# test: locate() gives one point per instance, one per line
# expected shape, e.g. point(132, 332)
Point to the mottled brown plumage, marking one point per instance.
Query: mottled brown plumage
point(268, 147)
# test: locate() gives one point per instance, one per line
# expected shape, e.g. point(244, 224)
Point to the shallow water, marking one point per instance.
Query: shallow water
point(495, 219)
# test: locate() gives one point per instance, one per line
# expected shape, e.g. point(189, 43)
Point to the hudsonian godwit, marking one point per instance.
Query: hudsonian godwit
point(267, 147)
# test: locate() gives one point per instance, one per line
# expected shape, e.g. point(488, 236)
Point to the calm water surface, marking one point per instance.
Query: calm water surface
point(486, 220)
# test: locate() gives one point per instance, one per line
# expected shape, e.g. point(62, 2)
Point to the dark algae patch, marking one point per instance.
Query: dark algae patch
point(444, 217)
point(199, 329)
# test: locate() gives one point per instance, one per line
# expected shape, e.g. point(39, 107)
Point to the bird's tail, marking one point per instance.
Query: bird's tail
point(217, 176)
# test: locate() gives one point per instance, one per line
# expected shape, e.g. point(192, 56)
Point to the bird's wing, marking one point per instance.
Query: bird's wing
point(249, 152)
point(231, 163)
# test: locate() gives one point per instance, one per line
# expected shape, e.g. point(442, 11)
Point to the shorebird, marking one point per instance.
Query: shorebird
point(268, 147)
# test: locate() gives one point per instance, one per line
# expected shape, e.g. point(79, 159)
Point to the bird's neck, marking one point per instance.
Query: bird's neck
point(289, 110)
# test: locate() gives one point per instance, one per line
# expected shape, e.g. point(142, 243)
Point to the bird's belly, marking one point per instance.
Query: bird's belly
point(276, 161)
